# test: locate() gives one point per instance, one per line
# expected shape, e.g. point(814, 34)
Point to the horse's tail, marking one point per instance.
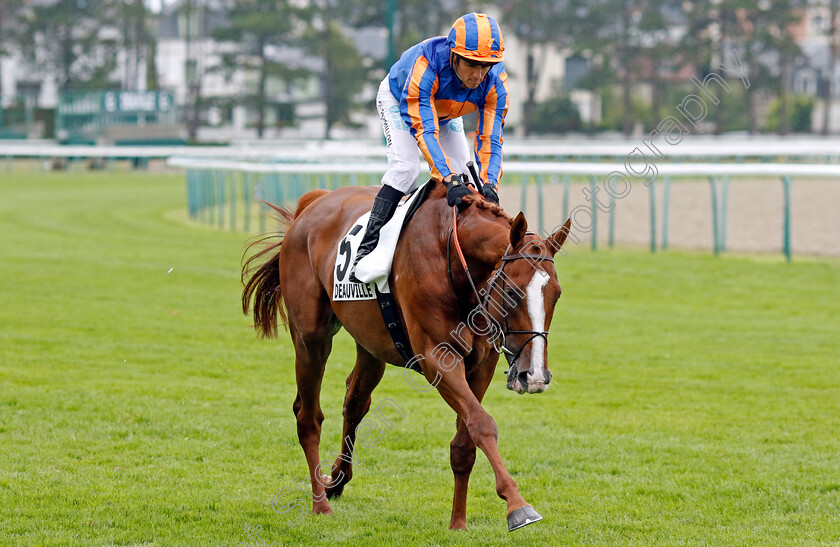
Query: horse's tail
point(308, 198)
point(261, 271)
point(261, 278)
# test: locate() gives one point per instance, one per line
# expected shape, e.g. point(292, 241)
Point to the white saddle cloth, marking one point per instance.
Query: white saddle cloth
point(376, 266)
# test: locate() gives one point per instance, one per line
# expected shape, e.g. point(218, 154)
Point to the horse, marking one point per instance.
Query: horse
point(443, 256)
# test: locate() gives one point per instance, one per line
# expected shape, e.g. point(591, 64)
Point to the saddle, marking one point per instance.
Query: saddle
point(375, 268)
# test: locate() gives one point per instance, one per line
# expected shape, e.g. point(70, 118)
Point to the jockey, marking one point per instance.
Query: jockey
point(420, 104)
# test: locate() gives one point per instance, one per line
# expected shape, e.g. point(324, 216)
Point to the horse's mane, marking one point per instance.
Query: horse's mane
point(474, 201)
point(484, 205)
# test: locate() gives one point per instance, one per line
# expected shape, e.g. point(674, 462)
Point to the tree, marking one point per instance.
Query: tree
point(410, 21)
point(138, 42)
point(344, 74)
point(8, 11)
point(760, 32)
point(345, 71)
point(557, 115)
point(833, 35)
point(539, 26)
point(79, 41)
point(254, 26)
point(419, 19)
point(778, 35)
point(660, 48)
point(61, 38)
point(626, 32)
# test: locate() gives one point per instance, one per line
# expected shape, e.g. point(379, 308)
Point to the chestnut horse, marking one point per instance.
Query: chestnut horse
point(461, 294)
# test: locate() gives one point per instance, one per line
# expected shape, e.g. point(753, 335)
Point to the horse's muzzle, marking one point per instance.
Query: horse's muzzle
point(528, 382)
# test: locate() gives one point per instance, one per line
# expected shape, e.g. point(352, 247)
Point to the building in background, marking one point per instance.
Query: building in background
point(818, 75)
point(212, 96)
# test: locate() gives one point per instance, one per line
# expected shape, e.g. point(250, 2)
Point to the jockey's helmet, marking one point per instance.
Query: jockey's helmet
point(477, 37)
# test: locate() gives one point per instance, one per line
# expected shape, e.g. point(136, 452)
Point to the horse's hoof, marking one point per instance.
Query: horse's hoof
point(522, 517)
point(335, 491)
point(332, 487)
point(322, 509)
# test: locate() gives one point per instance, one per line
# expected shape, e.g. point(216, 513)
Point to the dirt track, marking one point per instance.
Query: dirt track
point(754, 219)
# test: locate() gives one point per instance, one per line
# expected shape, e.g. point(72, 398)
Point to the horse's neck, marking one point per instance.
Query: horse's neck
point(484, 238)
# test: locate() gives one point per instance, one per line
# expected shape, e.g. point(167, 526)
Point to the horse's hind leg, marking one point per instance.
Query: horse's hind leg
point(462, 459)
point(311, 352)
point(360, 385)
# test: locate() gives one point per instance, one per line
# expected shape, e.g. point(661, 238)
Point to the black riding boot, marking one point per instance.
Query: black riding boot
point(383, 209)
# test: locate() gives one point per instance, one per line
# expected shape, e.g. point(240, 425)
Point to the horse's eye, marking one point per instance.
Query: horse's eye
point(512, 294)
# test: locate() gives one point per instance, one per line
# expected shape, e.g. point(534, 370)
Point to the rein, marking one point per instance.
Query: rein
point(483, 304)
point(454, 232)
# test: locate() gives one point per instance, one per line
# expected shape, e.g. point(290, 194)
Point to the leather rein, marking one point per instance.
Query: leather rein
point(483, 303)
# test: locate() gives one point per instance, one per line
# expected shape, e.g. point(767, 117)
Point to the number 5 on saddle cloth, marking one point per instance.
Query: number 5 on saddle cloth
point(375, 268)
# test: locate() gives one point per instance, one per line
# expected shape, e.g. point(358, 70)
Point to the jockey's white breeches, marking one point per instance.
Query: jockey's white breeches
point(404, 154)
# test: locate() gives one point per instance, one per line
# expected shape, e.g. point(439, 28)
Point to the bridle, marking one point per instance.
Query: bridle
point(483, 303)
point(506, 258)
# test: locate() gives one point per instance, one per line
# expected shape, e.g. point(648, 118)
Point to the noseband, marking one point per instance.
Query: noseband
point(483, 303)
point(510, 355)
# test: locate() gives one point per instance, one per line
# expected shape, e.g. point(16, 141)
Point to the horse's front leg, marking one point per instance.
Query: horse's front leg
point(462, 447)
point(453, 387)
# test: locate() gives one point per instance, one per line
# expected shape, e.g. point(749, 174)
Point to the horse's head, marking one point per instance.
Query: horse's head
point(516, 302)
point(522, 294)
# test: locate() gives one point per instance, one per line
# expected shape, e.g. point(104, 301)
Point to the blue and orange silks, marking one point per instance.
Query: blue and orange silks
point(477, 36)
point(430, 95)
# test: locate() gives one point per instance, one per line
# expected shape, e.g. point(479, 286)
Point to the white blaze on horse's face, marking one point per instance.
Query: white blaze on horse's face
point(529, 370)
point(537, 382)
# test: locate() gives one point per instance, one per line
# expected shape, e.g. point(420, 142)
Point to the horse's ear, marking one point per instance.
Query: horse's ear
point(556, 240)
point(517, 230)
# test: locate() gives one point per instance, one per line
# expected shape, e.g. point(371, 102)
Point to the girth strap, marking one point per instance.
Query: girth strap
point(388, 308)
point(387, 305)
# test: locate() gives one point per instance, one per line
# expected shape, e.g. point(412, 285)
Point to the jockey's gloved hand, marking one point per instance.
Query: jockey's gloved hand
point(490, 193)
point(456, 191)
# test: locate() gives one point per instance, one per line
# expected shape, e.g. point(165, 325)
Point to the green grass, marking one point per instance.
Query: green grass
point(696, 400)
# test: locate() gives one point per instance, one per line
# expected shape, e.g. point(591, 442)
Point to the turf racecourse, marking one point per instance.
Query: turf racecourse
point(695, 400)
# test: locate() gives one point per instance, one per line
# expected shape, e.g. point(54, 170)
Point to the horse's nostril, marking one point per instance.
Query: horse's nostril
point(523, 377)
point(547, 375)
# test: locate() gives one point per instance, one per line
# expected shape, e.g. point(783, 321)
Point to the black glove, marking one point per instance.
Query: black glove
point(456, 191)
point(490, 194)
